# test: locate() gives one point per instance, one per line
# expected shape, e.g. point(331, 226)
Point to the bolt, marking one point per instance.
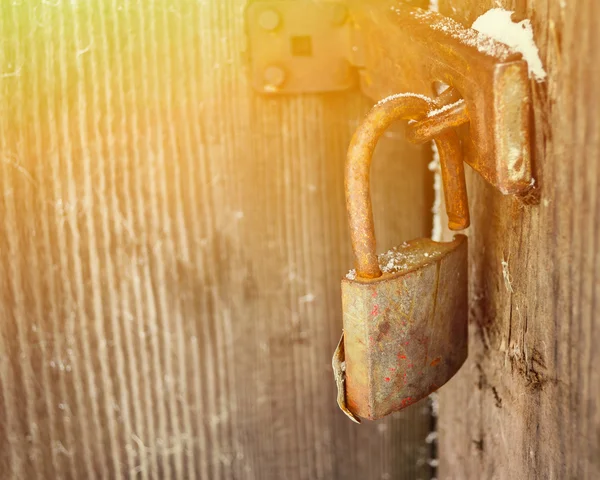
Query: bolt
point(274, 77)
point(269, 20)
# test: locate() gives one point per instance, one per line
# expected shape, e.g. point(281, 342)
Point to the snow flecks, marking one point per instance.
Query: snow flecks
point(497, 24)
point(308, 298)
point(435, 405)
point(394, 260)
point(493, 33)
point(506, 276)
point(401, 95)
point(431, 437)
point(434, 166)
point(402, 258)
point(484, 43)
point(445, 108)
point(467, 36)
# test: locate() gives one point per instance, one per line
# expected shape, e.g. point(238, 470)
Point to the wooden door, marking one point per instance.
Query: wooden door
point(525, 405)
point(171, 245)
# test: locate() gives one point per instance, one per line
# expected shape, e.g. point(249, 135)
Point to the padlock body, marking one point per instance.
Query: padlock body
point(405, 333)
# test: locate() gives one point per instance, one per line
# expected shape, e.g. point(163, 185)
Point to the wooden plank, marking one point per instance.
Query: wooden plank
point(525, 405)
point(172, 246)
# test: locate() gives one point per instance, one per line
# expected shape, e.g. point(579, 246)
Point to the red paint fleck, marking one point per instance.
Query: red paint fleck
point(403, 357)
point(375, 310)
point(392, 369)
point(387, 379)
point(406, 343)
point(406, 401)
point(374, 294)
point(436, 361)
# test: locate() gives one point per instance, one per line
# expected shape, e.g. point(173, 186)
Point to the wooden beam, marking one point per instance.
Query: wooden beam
point(525, 405)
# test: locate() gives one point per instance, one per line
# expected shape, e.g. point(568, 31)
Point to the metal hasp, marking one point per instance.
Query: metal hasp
point(410, 49)
point(306, 46)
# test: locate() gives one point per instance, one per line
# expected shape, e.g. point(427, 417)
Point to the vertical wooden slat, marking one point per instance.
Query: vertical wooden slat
point(12, 442)
point(136, 255)
point(171, 248)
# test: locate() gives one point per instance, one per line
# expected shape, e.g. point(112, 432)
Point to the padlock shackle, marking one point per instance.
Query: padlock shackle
point(407, 106)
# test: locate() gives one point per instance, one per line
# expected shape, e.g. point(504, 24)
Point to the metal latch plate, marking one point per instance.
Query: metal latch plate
point(299, 46)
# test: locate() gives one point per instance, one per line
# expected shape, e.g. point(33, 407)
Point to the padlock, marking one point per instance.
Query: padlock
point(405, 312)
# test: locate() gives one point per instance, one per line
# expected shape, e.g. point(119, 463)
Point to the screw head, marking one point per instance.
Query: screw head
point(269, 20)
point(274, 77)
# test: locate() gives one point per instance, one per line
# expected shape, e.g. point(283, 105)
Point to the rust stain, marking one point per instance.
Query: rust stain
point(384, 328)
point(387, 370)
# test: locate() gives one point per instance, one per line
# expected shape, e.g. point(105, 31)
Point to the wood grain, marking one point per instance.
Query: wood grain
point(171, 248)
point(525, 406)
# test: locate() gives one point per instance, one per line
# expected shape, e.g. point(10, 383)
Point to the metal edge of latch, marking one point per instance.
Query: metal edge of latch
point(339, 371)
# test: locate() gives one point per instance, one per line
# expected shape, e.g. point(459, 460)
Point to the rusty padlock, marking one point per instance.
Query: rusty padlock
point(404, 312)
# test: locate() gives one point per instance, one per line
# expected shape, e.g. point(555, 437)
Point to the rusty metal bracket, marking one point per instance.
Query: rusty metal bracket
point(421, 49)
point(394, 46)
point(304, 46)
point(301, 46)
